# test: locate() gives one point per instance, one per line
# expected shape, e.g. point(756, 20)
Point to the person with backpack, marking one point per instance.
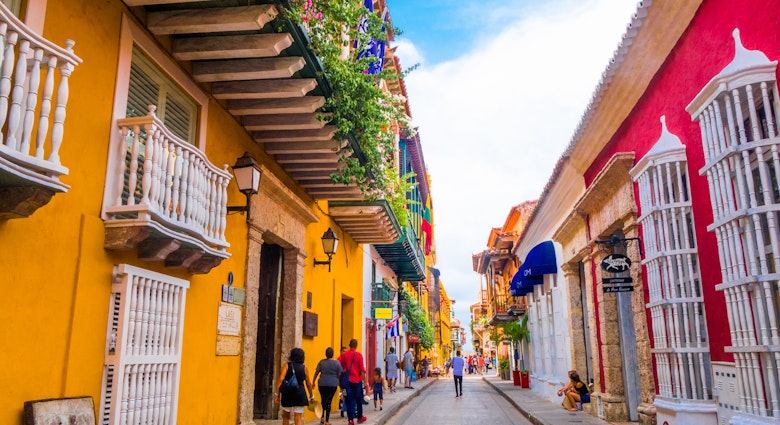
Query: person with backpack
point(290, 387)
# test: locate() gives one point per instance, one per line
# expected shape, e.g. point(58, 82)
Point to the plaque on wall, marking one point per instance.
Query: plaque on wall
point(228, 345)
point(229, 319)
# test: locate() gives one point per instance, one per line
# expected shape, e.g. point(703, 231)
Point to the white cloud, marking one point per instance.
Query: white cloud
point(493, 121)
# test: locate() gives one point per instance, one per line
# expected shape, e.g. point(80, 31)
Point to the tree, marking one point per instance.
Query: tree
point(517, 333)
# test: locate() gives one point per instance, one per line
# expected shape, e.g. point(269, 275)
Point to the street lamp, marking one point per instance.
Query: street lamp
point(329, 244)
point(247, 174)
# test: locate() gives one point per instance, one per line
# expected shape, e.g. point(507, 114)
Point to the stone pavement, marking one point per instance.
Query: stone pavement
point(539, 410)
point(393, 403)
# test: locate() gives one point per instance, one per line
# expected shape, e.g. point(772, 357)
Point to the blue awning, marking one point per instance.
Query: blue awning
point(539, 262)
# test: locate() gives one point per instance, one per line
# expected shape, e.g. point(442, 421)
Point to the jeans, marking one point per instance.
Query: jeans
point(326, 393)
point(458, 385)
point(355, 400)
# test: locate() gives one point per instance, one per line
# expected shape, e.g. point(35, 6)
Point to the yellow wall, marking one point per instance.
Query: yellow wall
point(56, 275)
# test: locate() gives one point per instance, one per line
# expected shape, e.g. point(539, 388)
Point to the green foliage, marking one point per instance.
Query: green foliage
point(418, 320)
point(503, 363)
point(358, 105)
point(517, 332)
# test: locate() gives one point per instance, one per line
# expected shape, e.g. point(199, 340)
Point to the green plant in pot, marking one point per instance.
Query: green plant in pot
point(517, 333)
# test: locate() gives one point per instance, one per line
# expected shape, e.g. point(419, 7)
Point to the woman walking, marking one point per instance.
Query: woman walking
point(328, 370)
point(294, 399)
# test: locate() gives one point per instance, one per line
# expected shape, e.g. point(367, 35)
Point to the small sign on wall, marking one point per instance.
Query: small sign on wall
point(229, 319)
point(228, 345)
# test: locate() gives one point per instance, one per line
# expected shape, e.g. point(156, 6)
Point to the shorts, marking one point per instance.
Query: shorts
point(585, 398)
point(408, 371)
point(392, 375)
point(293, 409)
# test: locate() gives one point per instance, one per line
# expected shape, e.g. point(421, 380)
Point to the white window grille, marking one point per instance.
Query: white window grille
point(737, 114)
point(680, 343)
point(143, 348)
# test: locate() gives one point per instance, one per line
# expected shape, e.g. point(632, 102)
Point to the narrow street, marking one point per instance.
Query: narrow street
point(480, 405)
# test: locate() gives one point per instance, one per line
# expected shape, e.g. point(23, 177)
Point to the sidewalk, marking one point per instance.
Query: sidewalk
point(393, 403)
point(538, 409)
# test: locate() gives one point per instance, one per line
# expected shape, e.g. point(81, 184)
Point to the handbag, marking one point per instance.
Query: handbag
point(289, 385)
point(344, 380)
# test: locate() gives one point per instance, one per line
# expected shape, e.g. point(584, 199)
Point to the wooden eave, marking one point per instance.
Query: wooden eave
point(263, 75)
point(366, 222)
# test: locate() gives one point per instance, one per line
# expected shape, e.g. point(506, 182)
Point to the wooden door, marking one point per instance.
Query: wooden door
point(267, 312)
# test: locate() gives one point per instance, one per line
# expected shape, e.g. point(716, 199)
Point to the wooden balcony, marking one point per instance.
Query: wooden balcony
point(167, 200)
point(265, 76)
point(33, 100)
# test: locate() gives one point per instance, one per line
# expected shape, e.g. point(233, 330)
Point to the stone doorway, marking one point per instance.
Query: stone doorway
point(271, 277)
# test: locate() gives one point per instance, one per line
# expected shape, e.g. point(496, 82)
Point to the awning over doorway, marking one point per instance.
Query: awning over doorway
point(539, 262)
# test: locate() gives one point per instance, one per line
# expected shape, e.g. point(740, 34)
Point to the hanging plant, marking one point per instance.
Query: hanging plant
point(359, 106)
point(418, 320)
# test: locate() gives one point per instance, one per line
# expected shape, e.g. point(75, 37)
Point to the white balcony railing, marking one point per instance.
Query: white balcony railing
point(167, 183)
point(29, 89)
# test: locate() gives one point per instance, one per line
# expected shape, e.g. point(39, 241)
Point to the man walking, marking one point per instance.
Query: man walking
point(391, 367)
point(457, 373)
point(408, 364)
point(355, 368)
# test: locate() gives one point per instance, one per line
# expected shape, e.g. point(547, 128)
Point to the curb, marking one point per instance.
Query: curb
point(528, 415)
point(389, 413)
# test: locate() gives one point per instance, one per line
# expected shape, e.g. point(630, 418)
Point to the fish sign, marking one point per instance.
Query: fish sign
point(615, 263)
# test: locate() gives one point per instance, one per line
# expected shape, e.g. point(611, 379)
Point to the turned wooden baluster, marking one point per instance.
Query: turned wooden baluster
point(133, 177)
point(176, 184)
point(43, 117)
point(32, 100)
point(17, 95)
point(59, 111)
point(184, 188)
point(5, 75)
point(223, 205)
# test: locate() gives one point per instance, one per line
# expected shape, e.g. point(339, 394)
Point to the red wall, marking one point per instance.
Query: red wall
point(701, 53)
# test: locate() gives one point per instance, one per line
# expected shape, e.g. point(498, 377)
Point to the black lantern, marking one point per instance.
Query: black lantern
point(247, 175)
point(329, 244)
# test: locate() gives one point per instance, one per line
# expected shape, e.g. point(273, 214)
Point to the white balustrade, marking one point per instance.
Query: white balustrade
point(162, 178)
point(26, 140)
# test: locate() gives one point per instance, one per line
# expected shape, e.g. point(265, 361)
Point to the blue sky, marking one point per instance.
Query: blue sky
point(497, 97)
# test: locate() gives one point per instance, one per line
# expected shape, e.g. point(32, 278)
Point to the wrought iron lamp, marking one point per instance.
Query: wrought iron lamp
point(329, 244)
point(247, 174)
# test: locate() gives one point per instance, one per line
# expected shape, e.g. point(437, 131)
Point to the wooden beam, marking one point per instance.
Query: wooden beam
point(263, 89)
point(231, 46)
point(299, 105)
point(316, 135)
point(208, 20)
point(246, 69)
point(284, 121)
point(306, 158)
point(316, 183)
point(309, 175)
point(275, 148)
point(330, 167)
point(133, 3)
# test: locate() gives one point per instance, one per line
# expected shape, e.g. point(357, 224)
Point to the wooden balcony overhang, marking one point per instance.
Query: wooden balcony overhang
point(367, 222)
point(262, 70)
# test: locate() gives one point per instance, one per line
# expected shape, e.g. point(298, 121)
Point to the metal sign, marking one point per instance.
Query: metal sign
point(414, 338)
point(616, 263)
point(613, 280)
point(383, 313)
point(618, 288)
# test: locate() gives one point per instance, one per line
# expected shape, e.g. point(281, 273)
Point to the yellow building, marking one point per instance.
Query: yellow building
point(130, 275)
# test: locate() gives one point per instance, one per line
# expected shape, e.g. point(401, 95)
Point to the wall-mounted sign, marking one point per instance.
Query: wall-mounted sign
point(229, 319)
point(615, 263)
point(613, 280)
point(618, 288)
point(414, 338)
point(383, 313)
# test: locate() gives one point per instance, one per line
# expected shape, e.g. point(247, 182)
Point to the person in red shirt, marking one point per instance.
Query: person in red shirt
point(355, 368)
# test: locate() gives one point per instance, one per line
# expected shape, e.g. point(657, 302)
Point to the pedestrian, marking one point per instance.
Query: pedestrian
point(457, 373)
point(562, 392)
point(379, 386)
point(355, 368)
point(328, 370)
point(391, 366)
point(577, 393)
point(408, 363)
point(447, 368)
point(342, 391)
point(293, 401)
point(424, 367)
point(471, 364)
point(481, 365)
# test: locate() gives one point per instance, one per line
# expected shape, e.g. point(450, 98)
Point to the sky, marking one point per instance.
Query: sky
point(496, 97)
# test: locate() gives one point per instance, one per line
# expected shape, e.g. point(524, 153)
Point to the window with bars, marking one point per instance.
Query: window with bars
point(143, 348)
point(150, 86)
point(737, 113)
point(680, 343)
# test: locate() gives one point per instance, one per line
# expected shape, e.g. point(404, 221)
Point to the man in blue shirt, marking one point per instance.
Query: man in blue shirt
point(457, 373)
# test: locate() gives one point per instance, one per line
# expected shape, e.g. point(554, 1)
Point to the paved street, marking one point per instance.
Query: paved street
point(480, 405)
